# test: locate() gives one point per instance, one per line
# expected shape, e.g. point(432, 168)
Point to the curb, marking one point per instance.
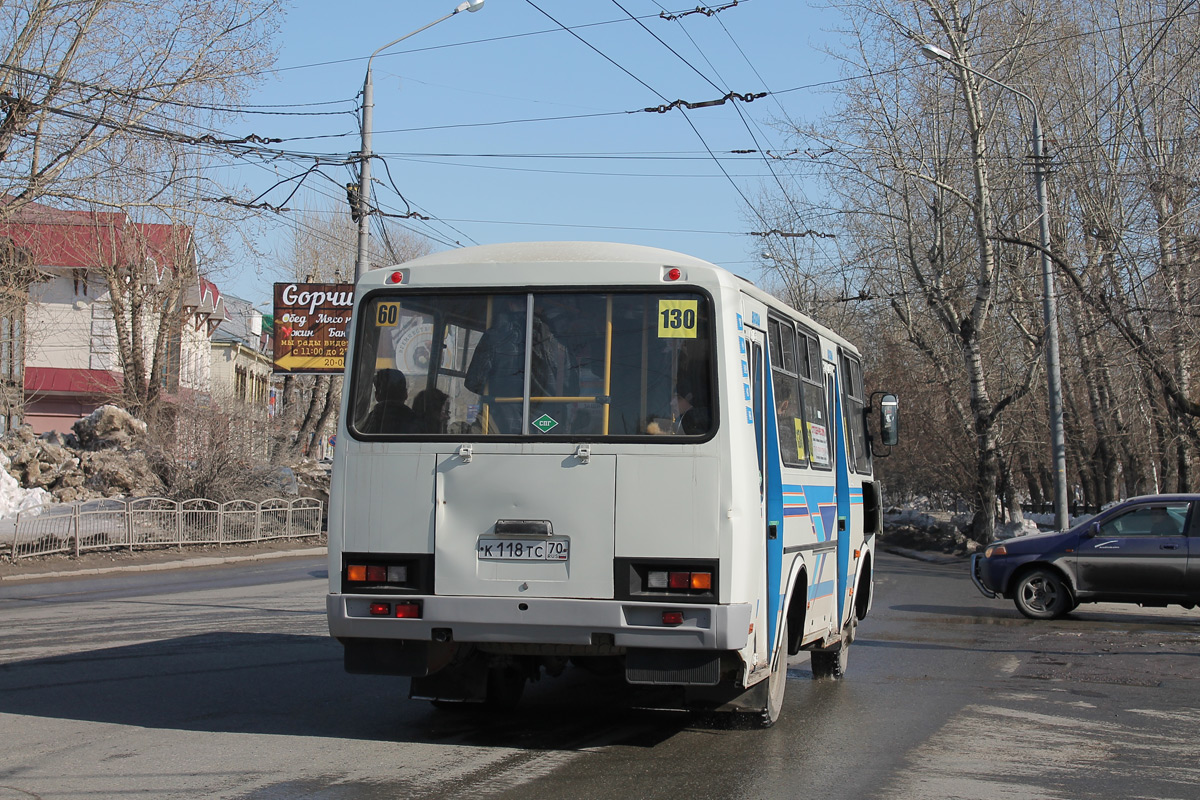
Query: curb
point(208, 561)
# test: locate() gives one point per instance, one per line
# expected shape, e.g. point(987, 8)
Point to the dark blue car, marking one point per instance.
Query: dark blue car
point(1135, 552)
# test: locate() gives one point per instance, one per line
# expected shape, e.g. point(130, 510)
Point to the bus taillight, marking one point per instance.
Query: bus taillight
point(408, 610)
point(679, 581)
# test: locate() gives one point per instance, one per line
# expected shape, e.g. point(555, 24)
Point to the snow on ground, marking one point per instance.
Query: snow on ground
point(14, 499)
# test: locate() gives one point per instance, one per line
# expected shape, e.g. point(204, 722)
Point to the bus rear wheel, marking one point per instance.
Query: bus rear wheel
point(776, 683)
point(831, 664)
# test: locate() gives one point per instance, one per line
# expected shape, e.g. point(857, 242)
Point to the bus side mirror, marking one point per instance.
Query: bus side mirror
point(889, 420)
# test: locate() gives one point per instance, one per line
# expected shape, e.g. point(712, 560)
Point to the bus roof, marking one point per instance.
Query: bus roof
point(534, 252)
point(586, 253)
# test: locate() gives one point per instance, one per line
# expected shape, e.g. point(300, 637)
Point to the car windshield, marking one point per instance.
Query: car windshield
point(538, 365)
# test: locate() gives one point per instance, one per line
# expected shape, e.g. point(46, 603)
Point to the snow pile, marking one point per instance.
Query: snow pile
point(104, 457)
point(1010, 530)
point(14, 499)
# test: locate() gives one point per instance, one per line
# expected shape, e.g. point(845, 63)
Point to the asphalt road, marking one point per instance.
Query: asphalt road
point(222, 683)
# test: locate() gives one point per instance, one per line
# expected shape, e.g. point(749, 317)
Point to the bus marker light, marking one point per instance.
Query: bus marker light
point(656, 580)
point(376, 574)
point(381, 609)
point(701, 580)
point(673, 274)
point(672, 618)
point(408, 610)
point(356, 572)
point(396, 277)
point(679, 580)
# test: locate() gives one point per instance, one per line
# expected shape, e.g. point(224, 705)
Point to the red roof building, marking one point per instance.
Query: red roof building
point(66, 345)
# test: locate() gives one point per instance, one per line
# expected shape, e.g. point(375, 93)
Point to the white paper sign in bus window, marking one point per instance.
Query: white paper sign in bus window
point(820, 444)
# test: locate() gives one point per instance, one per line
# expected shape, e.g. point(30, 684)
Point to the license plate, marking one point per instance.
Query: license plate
point(495, 549)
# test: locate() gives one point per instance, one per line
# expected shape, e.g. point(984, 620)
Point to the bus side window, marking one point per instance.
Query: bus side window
point(816, 419)
point(852, 407)
point(786, 384)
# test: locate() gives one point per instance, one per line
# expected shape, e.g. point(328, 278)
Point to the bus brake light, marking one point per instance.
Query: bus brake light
point(408, 610)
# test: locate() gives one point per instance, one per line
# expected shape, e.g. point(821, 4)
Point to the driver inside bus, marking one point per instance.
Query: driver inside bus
point(390, 414)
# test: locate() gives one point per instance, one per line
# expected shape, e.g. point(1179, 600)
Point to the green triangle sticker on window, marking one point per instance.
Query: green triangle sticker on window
point(544, 423)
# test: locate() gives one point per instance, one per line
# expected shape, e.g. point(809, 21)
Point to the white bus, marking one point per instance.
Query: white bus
point(608, 455)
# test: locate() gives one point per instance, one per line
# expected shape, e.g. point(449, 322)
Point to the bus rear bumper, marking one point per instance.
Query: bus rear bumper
point(546, 621)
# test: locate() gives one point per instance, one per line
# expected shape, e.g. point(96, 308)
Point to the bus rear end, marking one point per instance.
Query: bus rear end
point(534, 472)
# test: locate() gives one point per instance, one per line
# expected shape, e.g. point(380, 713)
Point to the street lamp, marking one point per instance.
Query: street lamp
point(1049, 304)
point(362, 202)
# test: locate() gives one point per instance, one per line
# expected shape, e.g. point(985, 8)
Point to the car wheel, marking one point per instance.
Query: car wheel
point(1042, 594)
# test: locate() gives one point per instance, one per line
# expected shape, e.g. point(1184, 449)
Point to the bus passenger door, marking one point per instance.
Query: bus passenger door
point(841, 471)
point(770, 485)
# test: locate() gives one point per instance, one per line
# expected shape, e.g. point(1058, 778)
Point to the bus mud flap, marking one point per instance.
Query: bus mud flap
point(672, 667)
point(464, 681)
point(402, 657)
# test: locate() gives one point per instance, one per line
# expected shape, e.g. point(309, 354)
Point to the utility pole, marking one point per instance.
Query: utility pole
point(363, 200)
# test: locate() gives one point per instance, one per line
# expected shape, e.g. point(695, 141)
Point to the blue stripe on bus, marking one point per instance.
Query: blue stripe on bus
point(822, 589)
point(842, 480)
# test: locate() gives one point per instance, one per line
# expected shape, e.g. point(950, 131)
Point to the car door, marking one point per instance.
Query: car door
point(1142, 552)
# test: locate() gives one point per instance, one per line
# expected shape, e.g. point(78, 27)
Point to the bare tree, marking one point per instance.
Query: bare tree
point(322, 249)
point(909, 159)
point(80, 77)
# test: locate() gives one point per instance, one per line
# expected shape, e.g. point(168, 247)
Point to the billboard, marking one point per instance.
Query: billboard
point(310, 326)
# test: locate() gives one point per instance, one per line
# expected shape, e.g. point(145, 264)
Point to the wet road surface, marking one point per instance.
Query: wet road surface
point(222, 683)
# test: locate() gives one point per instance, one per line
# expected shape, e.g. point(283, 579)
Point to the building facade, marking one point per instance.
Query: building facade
point(101, 294)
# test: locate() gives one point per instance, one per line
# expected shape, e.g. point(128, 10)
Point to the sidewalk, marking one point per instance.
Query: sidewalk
point(103, 563)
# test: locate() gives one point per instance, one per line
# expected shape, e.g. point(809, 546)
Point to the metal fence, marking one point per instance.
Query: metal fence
point(155, 522)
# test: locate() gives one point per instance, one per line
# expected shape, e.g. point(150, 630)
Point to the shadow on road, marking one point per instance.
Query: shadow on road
point(294, 685)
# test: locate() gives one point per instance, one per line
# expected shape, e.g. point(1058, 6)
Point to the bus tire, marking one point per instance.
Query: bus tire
point(831, 664)
point(776, 683)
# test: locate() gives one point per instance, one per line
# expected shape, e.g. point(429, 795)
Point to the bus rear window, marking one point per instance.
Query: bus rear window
point(534, 365)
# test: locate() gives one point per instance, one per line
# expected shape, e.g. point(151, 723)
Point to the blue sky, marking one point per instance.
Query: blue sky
point(570, 163)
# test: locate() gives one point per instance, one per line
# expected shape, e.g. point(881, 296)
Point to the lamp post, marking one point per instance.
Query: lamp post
point(363, 200)
point(1049, 304)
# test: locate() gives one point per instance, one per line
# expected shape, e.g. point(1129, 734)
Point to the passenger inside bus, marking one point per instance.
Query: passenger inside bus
point(390, 414)
point(497, 369)
point(431, 407)
point(691, 416)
